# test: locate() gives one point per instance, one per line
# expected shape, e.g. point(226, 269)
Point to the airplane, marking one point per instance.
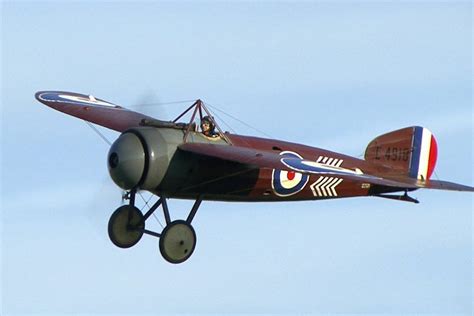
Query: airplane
point(200, 162)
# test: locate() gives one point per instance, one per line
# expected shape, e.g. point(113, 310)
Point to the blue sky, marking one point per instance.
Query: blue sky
point(327, 74)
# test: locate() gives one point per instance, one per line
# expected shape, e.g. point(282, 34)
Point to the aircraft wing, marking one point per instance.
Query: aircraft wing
point(273, 160)
point(92, 109)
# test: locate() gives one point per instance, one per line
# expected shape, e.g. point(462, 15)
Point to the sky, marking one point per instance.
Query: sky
point(326, 74)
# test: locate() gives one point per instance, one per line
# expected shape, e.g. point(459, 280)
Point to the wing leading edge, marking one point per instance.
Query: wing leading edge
point(271, 160)
point(92, 109)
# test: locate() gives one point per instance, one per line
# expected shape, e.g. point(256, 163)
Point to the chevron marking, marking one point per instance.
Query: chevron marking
point(325, 186)
point(330, 187)
point(315, 186)
point(322, 186)
point(330, 161)
point(333, 187)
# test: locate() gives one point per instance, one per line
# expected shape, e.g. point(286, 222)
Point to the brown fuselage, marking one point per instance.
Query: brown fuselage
point(191, 175)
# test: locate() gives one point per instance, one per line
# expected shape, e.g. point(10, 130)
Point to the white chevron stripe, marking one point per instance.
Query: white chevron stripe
point(315, 186)
point(322, 186)
point(333, 188)
point(330, 161)
point(318, 187)
point(325, 186)
point(330, 186)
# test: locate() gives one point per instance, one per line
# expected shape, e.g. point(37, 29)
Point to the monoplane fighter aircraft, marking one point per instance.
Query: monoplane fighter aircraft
point(196, 160)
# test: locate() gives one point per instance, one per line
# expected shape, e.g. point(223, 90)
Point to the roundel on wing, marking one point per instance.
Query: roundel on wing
point(286, 183)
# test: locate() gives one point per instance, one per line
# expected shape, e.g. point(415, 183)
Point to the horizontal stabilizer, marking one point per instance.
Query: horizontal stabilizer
point(445, 185)
point(432, 184)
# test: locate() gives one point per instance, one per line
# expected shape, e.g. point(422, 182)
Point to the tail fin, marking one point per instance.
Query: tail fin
point(410, 151)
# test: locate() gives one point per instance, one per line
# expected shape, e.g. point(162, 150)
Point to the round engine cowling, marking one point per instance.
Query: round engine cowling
point(126, 161)
point(140, 157)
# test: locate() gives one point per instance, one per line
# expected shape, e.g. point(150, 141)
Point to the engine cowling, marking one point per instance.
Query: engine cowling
point(140, 157)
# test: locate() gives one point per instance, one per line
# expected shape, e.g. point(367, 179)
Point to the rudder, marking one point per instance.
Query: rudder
point(410, 151)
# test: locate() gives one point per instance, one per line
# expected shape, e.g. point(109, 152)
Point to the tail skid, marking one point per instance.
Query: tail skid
point(403, 197)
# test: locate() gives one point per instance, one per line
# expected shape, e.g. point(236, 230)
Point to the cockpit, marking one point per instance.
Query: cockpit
point(201, 124)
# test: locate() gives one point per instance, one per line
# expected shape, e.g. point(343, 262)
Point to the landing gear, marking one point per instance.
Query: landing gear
point(177, 240)
point(126, 226)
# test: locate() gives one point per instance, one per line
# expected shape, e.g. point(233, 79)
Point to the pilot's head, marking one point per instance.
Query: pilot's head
point(207, 125)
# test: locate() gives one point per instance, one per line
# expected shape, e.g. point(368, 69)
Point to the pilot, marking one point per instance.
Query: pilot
point(208, 127)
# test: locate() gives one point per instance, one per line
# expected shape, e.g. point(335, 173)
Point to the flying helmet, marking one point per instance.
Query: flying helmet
point(207, 119)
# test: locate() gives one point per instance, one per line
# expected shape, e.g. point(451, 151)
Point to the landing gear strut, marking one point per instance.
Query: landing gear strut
point(177, 240)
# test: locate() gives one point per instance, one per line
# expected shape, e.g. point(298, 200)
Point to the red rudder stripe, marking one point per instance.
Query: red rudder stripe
point(432, 157)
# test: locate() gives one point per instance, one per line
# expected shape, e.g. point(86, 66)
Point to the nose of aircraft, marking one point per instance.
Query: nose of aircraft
point(126, 161)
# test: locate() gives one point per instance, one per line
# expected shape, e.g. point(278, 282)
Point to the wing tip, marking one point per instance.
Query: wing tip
point(38, 95)
point(55, 98)
point(51, 92)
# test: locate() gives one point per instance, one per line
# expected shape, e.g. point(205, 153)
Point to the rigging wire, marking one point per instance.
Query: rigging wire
point(159, 222)
point(146, 204)
point(230, 127)
point(222, 120)
point(144, 200)
point(238, 120)
point(98, 133)
point(162, 103)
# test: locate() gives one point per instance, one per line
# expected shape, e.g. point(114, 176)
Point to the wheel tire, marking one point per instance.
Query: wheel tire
point(123, 229)
point(177, 241)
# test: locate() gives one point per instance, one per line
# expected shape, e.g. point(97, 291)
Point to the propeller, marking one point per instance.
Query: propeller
point(148, 103)
point(101, 205)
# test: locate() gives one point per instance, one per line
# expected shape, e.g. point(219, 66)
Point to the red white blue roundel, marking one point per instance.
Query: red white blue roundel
point(286, 183)
point(75, 99)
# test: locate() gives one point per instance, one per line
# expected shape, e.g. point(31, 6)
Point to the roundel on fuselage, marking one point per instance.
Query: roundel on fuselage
point(286, 183)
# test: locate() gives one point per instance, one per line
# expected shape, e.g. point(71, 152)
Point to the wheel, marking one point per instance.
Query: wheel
point(177, 241)
point(126, 226)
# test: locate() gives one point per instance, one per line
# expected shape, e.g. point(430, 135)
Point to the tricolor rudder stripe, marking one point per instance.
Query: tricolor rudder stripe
point(425, 153)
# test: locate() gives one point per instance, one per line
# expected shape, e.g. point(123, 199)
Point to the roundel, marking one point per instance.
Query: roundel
point(286, 183)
